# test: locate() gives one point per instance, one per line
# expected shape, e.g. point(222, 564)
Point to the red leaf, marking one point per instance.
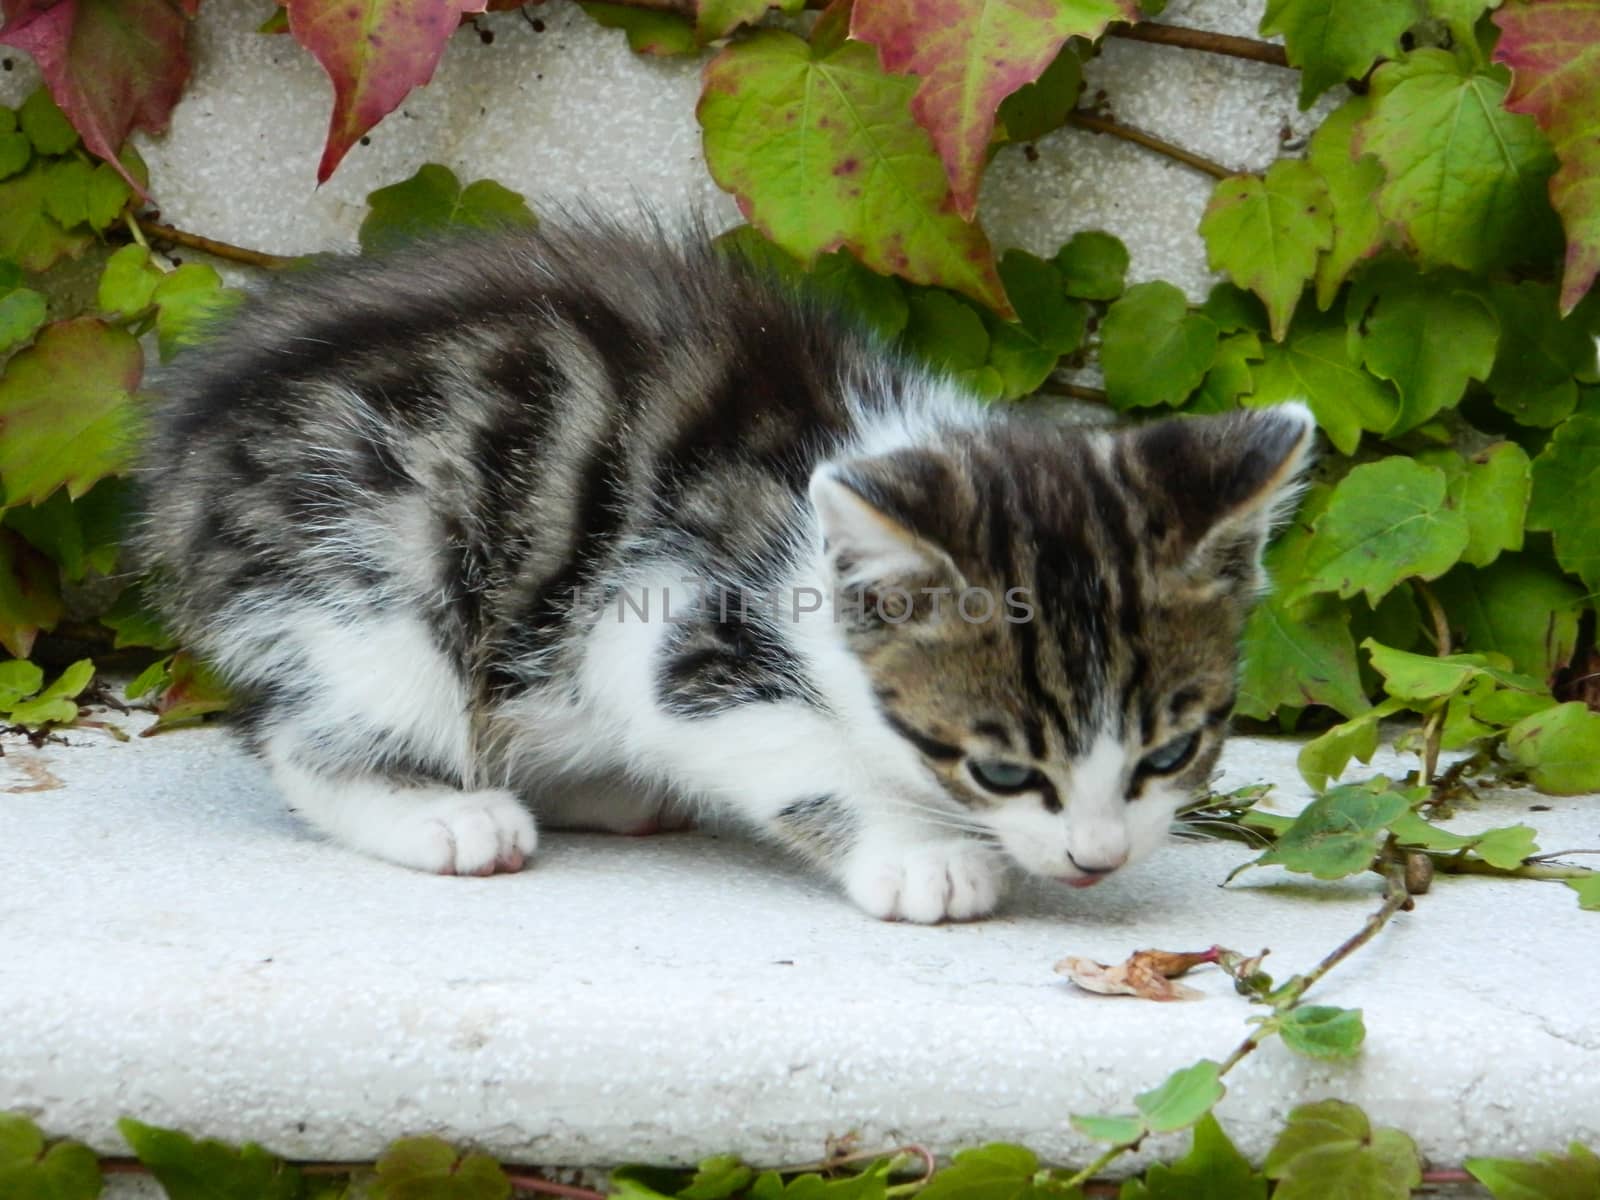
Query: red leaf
point(1553, 50)
point(111, 65)
point(375, 52)
point(972, 54)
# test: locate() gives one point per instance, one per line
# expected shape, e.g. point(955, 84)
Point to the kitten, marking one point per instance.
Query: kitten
point(605, 528)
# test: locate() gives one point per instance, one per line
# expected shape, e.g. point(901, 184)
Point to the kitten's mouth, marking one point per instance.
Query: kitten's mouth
point(1079, 881)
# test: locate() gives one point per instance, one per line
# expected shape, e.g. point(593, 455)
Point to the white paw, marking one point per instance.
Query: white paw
point(925, 882)
point(463, 833)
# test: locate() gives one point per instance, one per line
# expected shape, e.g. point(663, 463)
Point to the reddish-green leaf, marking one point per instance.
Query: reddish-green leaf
point(971, 55)
point(820, 150)
point(112, 65)
point(375, 52)
point(1358, 231)
point(66, 410)
point(1553, 50)
point(29, 599)
point(649, 31)
point(29, 235)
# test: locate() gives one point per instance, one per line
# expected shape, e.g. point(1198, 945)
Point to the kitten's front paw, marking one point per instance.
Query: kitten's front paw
point(464, 833)
point(926, 882)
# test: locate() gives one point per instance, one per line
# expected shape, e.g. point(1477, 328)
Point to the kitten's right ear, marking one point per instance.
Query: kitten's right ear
point(866, 545)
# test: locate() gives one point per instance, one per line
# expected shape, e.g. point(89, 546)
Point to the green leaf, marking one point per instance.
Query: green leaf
point(15, 151)
point(79, 535)
point(1465, 180)
point(1230, 376)
point(968, 58)
point(1572, 1176)
point(1120, 1131)
point(1539, 355)
point(995, 1172)
point(821, 151)
point(22, 310)
point(18, 678)
point(1588, 892)
point(1386, 521)
point(716, 19)
point(1093, 265)
point(1566, 496)
point(1315, 365)
point(718, 1178)
point(1232, 309)
point(1186, 1095)
point(1554, 48)
point(30, 597)
point(82, 193)
point(945, 331)
point(426, 1168)
point(1420, 677)
point(1336, 834)
point(1423, 335)
point(1517, 607)
point(1492, 490)
point(128, 283)
point(1559, 748)
point(1037, 292)
point(46, 125)
point(1352, 181)
point(156, 676)
point(649, 31)
point(1334, 40)
point(67, 409)
point(1036, 108)
point(1322, 1031)
point(433, 200)
point(1325, 757)
point(1153, 349)
point(191, 691)
point(1265, 234)
point(67, 1171)
point(189, 301)
point(135, 623)
point(1212, 1170)
point(1330, 1149)
point(56, 704)
point(876, 299)
point(1506, 847)
point(209, 1170)
point(29, 236)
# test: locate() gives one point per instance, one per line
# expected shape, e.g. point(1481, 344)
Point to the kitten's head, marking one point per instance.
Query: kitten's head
point(1070, 685)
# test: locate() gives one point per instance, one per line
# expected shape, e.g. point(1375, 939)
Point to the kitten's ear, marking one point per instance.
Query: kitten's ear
point(867, 528)
point(1227, 480)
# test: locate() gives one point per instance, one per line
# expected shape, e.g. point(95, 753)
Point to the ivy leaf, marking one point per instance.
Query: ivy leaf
point(426, 1168)
point(1153, 349)
point(189, 690)
point(1517, 607)
point(1559, 748)
point(135, 623)
point(18, 678)
point(820, 152)
point(56, 705)
point(1021, 363)
point(66, 409)
point(79, 535)
point(29, 235)
point(1119, 1131)
point(30, 599)
point(1566, 496)
point(15, 149)
point(1183, 1097)
point(1334, 40)
point(1385, 522)
point(22, 309)
point(45, 124)
point(1212, 1170)
point(1465, 180)
point(85, 194)
point(1298, 653)
point(995, 1172)
point(1425, 678)
point(718, 18)
point(717, 1178)
point(1323, 1031)
point(1315, 365)
point(1506, 847)
point(1425, 336)
point(1572, 1176)
point(113, 66)
point(876, 299)
point(188, 301)
point(1539, 355)
point(1233, 309)
point(1036, 108)
point(209, 1170)
point(1588, 890)
point(1491, 489)
point(1336, 834)
point(1330, 1149)
point(1352, 181)
point(128, 283)
point(945, 331)
point(970, 55)
point(1325, 756)
point(67, 1171)
point(1265, 234)
point(1230, 376)
point(1553, 49)
point(649, 31)
point(375, 52)
point(1093, 265)
point(1038, 293)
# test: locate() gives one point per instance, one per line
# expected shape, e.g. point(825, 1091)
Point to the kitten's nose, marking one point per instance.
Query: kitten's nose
point(1100, 868)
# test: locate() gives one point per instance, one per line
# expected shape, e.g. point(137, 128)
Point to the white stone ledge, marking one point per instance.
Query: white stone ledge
point(173, 945)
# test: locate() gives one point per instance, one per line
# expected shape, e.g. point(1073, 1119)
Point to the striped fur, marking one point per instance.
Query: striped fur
point(614, 528)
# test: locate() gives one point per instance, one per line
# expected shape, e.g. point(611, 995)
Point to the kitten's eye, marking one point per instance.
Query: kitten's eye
point(1164, 760)
point(1003, 777)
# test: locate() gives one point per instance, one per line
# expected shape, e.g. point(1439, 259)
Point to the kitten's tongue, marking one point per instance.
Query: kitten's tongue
point(1082, 881)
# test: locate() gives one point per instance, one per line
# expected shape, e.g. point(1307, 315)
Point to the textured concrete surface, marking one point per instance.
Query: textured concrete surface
point(173, 945)
point(570, 113)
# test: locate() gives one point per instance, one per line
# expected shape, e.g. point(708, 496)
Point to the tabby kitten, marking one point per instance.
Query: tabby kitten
point(609, 529)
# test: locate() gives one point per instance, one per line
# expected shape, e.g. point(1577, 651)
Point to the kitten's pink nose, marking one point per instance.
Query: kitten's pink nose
point(1097, 870)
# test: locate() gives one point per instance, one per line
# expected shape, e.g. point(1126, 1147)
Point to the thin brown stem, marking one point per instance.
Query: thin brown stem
point(1085, 120)
point(158, 232)
point(1202, 39)
point(522, 1181)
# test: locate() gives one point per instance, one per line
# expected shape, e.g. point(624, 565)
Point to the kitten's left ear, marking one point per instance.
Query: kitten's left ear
point(876, 516)
point(1227, 479)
